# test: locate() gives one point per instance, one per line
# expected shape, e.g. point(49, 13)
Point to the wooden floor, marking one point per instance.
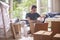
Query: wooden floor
point(22, 38)
point(18, 38)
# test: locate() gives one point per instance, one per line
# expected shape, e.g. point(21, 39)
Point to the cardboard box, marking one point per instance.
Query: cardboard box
point(55, 27)
point(42, 35)
point(56, 37)
point(34, 27)
point(41, 26)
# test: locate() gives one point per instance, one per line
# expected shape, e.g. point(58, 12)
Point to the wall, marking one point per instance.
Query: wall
point(55, 5)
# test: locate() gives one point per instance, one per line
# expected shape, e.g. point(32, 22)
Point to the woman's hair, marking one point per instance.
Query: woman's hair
point(33, 6)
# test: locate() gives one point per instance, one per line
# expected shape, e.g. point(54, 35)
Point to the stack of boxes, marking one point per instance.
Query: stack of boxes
point(49, 35)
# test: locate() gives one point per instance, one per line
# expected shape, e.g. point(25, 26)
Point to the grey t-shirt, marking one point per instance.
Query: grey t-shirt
point(33, 16)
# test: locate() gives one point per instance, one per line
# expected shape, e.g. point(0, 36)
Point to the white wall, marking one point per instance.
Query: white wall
point(55, 5)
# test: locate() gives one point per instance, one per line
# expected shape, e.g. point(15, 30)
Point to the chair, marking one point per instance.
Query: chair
point(15, 29)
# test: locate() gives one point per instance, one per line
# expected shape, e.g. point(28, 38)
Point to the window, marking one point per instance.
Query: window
point(49, 6)
point(6, 1)
point(22, 7)
point(45, 6)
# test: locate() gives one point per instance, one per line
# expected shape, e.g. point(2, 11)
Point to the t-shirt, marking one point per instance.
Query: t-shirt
point(33, 16)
